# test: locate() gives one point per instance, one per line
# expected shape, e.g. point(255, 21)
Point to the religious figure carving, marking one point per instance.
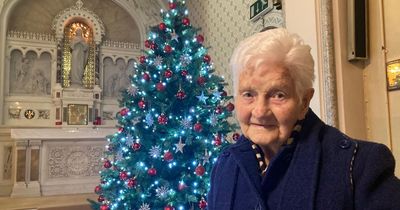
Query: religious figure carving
point(80, 52)
point(22, 70)
point(40, 84)
point(118, 81)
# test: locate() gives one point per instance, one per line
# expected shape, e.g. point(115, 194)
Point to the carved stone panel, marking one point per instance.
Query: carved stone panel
point(30, 74)
point(71, 160)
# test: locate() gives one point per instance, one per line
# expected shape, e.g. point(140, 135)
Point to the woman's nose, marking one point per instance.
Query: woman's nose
point(261, 108)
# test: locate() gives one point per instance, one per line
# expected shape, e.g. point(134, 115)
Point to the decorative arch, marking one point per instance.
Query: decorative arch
point(78, 13)
point(143, 19)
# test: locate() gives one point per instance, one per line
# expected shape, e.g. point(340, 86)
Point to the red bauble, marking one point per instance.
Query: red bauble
point(124, 111)
point(184, 73)
point(142, 104)
point(200, 170)
point(152, 172)
point(142, 59)
point(200, 38)
point(104, 207)
point(172, 5)
point(167, 48)
point(162, 26)
point(224, 93)
point(160, 86)
point(162, 119)
point(131, 183)
point(169, 207)
point(107, 164)
point(202, 204)
point(198, 127)
point(230, 107)
point(147, 43)
point(100, 198)
point(123, 175)
point(146, 76)
point(97, 189)
point(218, 110)
point(120, 129)
point(201, 80)
point(168, 73)
point(180, 94)
point(217, 140)
point(168, 156)
point(153, 46)
point(235, 136)
point(207, 58)
point(136, 146)
point(185, 21)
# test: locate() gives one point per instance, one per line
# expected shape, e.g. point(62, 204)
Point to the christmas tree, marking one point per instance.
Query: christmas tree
point(172, 124)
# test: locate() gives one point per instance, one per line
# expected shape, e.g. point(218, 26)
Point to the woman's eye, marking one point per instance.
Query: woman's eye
point(247, 95)
point(279, 95)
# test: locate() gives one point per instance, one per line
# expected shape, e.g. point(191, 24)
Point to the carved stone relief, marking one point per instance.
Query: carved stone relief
point(116, 76)
point(108, 115)
point(30, 74)
point(14, 113)
point(44, 114)
point(69, 161)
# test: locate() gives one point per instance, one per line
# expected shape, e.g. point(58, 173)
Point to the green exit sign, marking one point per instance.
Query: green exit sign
point(260, 8)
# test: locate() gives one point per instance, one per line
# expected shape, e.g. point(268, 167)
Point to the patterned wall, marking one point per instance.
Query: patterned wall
point(224, 24)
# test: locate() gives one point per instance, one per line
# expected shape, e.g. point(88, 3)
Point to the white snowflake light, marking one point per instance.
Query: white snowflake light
point(186, 123)
point(162, 192)
point(158, 61)
point(155, 151)
point(213, 119)
point(185, 60)
point(120, 155)
point(129, 140)
point(145, 206)
point(132, 90)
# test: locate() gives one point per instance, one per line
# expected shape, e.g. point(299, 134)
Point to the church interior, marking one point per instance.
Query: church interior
point(59, 95)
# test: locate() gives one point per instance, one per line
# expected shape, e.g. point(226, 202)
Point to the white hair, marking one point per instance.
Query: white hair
point(279, 46)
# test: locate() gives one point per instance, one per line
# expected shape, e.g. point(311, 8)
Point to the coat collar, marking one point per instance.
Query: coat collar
point(303, 170)
point(300, 187)
point(247, 162)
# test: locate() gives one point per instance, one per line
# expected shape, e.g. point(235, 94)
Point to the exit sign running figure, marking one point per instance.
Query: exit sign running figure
point(259, 8)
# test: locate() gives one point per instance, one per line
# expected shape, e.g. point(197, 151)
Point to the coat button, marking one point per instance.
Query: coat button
point(344, 143)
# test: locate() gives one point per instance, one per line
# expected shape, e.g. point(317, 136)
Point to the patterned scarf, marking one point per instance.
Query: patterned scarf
point(260, 155)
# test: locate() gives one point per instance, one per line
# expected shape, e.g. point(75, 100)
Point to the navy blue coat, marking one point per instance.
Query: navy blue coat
point(325, 170)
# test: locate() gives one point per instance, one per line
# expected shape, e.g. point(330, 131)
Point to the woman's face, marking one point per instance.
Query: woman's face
point(267, 106)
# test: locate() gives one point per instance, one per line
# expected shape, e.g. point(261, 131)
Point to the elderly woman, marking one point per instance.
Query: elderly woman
point(287, 158)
